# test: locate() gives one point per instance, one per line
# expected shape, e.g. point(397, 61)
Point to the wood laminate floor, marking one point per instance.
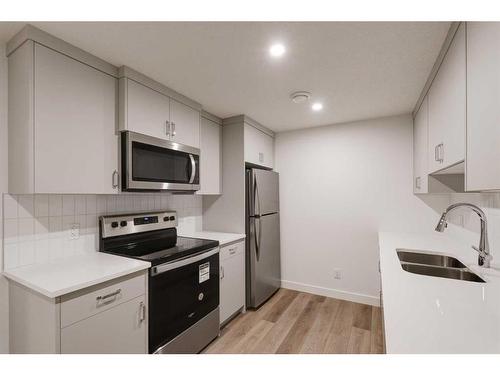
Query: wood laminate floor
point(296, 322)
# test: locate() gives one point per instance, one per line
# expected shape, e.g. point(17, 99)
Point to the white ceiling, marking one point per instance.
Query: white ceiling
point(358, 70)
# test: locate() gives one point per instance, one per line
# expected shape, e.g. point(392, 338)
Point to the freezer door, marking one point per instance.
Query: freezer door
point(265, 192)
point(263, 259)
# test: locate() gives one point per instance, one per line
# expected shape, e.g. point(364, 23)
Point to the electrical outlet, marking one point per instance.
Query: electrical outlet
point(337, 274)
point(74, 232)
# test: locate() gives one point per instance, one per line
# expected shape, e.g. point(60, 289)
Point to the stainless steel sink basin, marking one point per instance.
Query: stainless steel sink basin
point(429, 259)
point(435, 265)
point(449, 273)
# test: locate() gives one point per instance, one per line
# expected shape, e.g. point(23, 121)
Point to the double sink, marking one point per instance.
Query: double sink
point(436, 265)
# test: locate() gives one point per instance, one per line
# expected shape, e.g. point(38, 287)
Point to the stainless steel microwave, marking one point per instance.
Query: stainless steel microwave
point(149, 163)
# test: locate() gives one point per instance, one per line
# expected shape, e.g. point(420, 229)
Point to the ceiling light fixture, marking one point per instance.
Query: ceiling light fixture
point(277, 50)
point(317, 107)
point(299, 97)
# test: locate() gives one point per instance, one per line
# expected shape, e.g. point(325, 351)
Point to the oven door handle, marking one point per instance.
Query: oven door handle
point(182, 262)
point(193, 169)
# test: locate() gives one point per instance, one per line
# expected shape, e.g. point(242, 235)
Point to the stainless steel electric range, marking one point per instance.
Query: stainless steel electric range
point(183, 278)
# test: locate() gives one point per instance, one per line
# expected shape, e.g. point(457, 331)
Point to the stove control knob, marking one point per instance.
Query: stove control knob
point(123, 223)
point(114, 224)
point(172, 217)
point(166, 218)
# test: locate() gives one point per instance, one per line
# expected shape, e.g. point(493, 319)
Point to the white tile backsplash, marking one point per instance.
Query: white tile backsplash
point(55, 205)
point(10, 207)
point(41, 205)
point(25, 206)
point(68, 205)
point(37, 227)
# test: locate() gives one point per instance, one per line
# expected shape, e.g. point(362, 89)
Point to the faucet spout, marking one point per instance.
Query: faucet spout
point(483, 249)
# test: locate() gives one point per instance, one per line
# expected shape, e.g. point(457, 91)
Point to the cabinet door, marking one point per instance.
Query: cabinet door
point(147, 111)
point(120, 330)
point(185, 122)
point(483, 111)
point(259, 147)
point(232, 285)
point(76, 145)
point(210, 159)
point(420, 150)
point(447, 107)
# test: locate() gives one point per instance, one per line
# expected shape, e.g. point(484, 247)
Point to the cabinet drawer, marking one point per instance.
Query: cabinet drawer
point(119, 330)
point(227, 251)
point(78, 306)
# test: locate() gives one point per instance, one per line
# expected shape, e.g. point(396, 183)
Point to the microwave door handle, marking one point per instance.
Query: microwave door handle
point(193, 169)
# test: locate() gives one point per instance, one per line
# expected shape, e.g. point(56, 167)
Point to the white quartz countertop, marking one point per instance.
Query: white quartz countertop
point(424, 314)
point(222, 237)
point(67, 275)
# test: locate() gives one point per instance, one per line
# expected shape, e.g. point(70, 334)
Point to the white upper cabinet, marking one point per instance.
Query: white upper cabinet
point(145, 111)
point(447, 108)
point(259, 147)
point(420, 173)
point(483, 110)
point(62, 116)
point(149, 108)
point(184, 124)
point(211, 158)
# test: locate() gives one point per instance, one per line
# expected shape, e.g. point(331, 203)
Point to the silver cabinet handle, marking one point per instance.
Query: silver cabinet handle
point(173, 129)
point(103, 299)
point(417, 182)
point(142, 312)
point(114, 179)
point(436, 157)
point(167, 128)
point(441, 158)
point(221, 272)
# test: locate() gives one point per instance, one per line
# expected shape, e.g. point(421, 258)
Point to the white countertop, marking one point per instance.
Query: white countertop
point(424, 314)
point(222, 237)
point(67, 275)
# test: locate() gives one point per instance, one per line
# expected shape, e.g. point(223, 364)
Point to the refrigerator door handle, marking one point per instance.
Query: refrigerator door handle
point(257, 237)
point(256, 199)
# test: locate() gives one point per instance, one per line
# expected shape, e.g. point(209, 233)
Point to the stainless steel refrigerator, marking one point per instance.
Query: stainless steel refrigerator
point(263, 268)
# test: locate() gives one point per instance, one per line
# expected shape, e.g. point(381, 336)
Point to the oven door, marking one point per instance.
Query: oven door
point(181, 294)
point(150, 163)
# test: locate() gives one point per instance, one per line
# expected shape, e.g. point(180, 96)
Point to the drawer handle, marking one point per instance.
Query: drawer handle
point(103, 299)
point(232, 251)
point(142, 312)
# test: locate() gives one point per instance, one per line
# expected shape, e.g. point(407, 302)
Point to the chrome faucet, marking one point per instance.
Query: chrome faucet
point(483, 249)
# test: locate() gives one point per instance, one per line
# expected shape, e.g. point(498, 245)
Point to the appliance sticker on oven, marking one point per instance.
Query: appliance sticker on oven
point(204, 272)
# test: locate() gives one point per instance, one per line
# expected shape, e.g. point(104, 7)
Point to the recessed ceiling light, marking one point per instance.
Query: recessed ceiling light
point(277, 50)
point(317, 107)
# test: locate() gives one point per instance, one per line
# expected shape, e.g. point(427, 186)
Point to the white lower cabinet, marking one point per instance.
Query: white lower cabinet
point(120, 330)
point(232, 280)
point(110, 317)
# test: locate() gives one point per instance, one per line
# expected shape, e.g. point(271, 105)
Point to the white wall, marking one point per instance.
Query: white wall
point(339, 186)
point(4, 317)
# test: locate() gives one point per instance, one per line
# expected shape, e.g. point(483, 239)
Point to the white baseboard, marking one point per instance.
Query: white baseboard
point(332, 293)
